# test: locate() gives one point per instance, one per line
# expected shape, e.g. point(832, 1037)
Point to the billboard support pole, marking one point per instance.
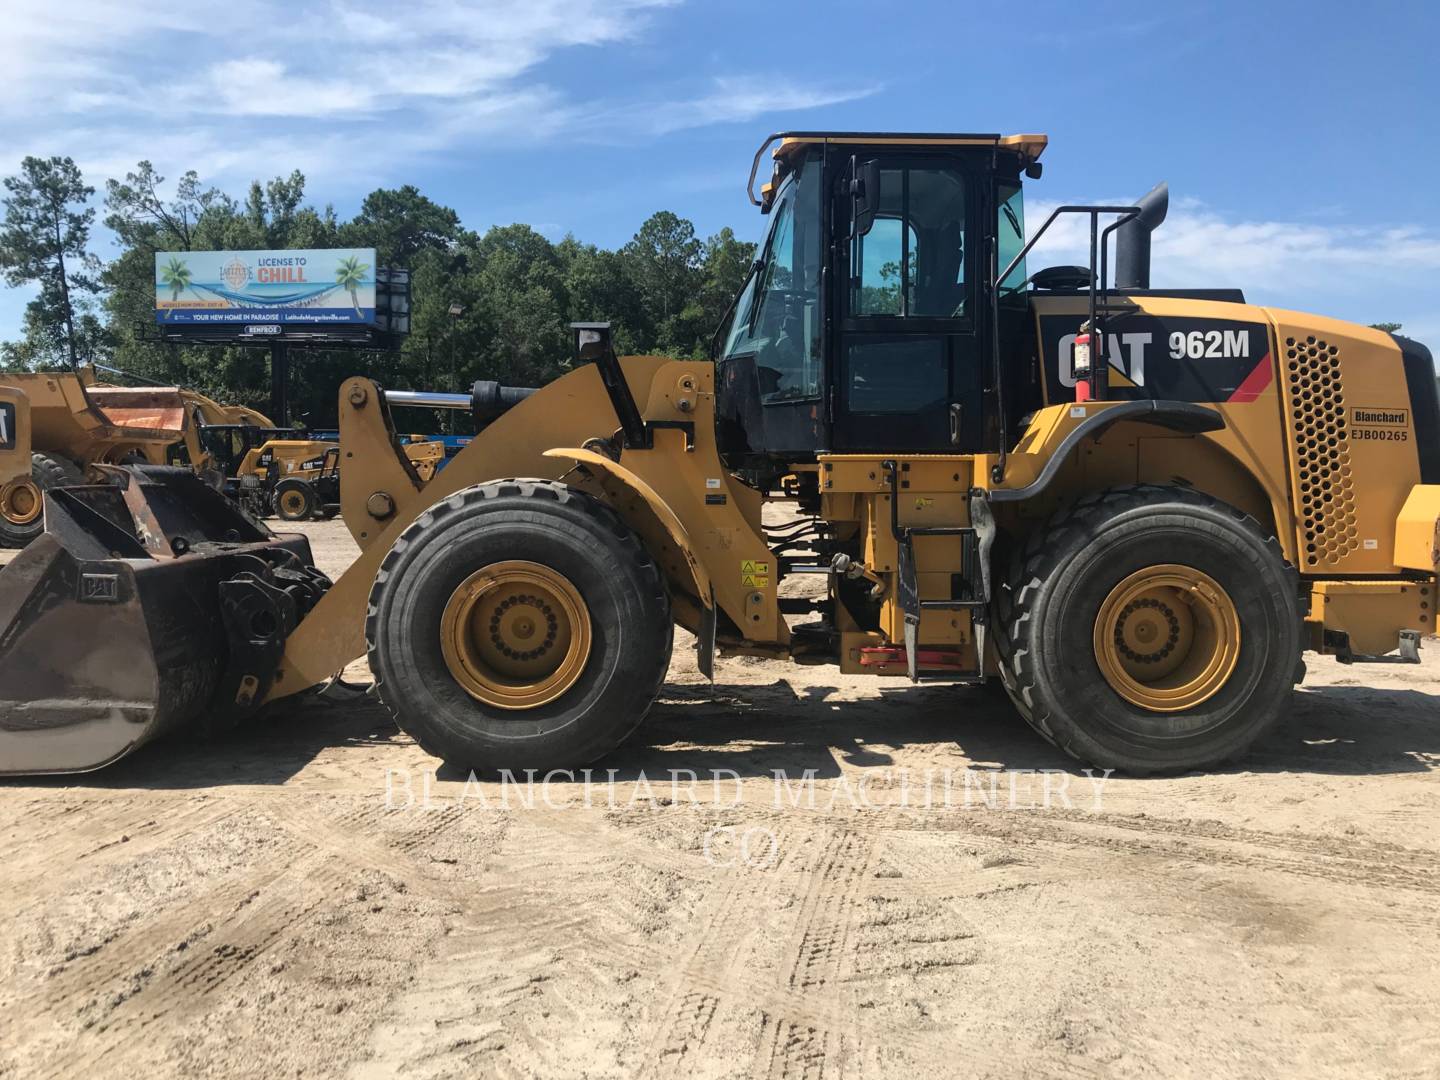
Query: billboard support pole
point(279, 382)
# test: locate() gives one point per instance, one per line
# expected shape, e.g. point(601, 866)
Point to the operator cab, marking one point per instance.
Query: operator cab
point(865, 324)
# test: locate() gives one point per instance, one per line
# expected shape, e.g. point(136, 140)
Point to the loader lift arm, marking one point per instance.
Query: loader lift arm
point(671, 474)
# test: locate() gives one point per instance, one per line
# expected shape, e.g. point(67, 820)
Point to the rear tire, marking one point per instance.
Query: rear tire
point(1234, 622)
point(47, 472)
point(593, 566)
point(295, 500)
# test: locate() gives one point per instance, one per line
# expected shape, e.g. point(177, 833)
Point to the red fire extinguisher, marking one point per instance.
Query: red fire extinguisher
point(1081, 364)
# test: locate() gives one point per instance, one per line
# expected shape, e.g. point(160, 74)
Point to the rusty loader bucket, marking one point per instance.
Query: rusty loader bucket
point(150, 604)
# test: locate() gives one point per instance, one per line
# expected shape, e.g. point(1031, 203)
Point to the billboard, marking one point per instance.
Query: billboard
point(218, 288)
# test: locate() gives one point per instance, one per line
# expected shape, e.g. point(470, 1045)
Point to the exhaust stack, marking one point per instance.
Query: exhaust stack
point(1132, 240)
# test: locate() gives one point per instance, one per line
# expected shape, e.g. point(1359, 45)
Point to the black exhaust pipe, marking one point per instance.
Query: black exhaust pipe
point(1132, 240)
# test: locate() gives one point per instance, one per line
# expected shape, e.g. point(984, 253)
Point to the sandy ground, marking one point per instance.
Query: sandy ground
point(287, 901)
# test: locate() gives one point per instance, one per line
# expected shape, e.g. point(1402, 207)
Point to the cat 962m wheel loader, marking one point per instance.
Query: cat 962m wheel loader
point(1136, 506)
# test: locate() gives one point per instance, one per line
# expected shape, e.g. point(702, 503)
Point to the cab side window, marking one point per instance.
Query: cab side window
point(911, 263)
point(777, 319)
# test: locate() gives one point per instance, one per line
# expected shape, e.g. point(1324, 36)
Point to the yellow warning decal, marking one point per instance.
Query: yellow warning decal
point(754, 574)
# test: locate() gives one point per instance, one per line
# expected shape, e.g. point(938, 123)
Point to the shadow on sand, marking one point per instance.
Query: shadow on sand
point(754, 729)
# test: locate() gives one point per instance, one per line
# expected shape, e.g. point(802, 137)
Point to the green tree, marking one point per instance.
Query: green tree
point(400, 224)
point(1386, 327)
point(140, 216)
point(667, 263)
point(514, 290)
point(727, 264)
point(44, 240)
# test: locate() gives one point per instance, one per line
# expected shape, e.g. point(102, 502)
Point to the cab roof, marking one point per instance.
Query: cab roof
point(1029, 146)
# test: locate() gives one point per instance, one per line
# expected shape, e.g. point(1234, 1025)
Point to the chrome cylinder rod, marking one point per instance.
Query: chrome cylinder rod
point(428, 399)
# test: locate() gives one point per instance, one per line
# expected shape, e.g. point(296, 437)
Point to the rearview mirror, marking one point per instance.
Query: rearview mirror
point(864, 196)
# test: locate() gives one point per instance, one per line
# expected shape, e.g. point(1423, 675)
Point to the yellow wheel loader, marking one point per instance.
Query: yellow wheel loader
point(21, 500)
point(78, 423)
point(299, 479)
point(1136, 507)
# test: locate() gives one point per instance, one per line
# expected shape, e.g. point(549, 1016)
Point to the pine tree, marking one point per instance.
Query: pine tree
point(43, 241)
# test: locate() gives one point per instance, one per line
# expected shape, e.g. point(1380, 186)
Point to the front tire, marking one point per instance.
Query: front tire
point(1151, 630)
point(518, 625)
point(295, 500)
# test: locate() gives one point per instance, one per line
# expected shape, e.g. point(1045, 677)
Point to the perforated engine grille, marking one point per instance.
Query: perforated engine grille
point(1322, 450)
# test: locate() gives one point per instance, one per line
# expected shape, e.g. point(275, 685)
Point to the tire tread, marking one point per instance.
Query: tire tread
point(463, 501)
point(1042, 557)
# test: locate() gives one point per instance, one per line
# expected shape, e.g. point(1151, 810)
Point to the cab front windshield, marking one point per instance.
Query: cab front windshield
point(777, 317)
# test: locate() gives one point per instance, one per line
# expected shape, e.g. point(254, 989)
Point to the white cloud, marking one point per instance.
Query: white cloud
point(86, 50)
point(231, 87)
point(726, 99)
point(347, 91)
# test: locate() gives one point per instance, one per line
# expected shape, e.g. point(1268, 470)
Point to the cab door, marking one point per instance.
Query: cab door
point(908, 370)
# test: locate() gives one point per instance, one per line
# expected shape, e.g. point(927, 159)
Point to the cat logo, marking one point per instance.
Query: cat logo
point(99, 588)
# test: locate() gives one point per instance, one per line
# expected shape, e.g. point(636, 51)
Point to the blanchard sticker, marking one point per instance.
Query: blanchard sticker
point(754, 575)
point(1372, 424)
point(1388, 417)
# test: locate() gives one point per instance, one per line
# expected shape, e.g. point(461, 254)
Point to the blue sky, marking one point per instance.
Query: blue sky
point(1301, 141)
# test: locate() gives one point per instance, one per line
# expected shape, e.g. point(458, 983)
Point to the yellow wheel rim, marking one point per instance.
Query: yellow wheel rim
point(515, 635)
point(292, 502)
point(21, 502)
point(1167, 638)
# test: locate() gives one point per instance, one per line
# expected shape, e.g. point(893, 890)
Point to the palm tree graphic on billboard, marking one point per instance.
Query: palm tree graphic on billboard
point(350, 275)
point(176, 276)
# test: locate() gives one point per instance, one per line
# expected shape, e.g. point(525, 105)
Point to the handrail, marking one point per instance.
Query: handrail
point(1099, 371)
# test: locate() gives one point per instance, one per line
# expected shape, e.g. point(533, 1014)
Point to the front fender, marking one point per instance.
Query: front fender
point(609, 473)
